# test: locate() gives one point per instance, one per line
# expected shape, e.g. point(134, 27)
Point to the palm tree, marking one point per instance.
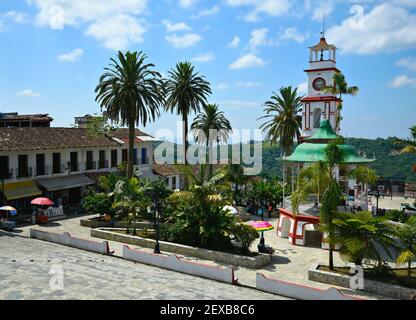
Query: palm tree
point(130, 92)
point(332, 196)
point(211, 118)
point(409, 145)
point(407, 236)
point(284, 121)
point(313, 179)
point(187, 91)
point(340, 88)
point(360, 233)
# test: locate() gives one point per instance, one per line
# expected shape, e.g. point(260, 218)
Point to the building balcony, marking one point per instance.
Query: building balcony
point(6, 174)
point(25, 172)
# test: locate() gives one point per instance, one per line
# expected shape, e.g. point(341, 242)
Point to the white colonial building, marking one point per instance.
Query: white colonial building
point(61, 162)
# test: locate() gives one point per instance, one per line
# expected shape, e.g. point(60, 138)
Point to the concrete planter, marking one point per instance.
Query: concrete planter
point(228, 258)
point(95, 223)
point(377, 287)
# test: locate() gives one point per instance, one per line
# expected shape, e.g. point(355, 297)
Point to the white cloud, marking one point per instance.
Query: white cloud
point(72, 56)
point(117, 32)
point(205, 57)
point(409, 63)
point(28, 93)
point(181, 26)
point(184, 41)
point(292, 34)
point(303, 88)
point(269, 7)
point(258, 38)
point(235, 42)
point(247, 61)
point(238, 104)
point(403, 81)
point(207, 12)
point(221, 86)
point(187, 3)
point(386, 28)
point(250, 84)
point(324, 9)
point(19, 17)
point(113, 22)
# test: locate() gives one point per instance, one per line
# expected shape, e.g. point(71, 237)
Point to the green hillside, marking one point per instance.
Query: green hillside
point(389, 164)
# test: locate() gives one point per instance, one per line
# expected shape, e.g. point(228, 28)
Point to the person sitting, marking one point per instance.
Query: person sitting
point(108, 220)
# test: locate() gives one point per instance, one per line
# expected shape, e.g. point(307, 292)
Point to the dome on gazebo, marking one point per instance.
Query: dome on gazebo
point(314, 149)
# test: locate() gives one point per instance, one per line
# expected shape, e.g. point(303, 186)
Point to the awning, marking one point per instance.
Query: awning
point(21, 189)
point(65, 182)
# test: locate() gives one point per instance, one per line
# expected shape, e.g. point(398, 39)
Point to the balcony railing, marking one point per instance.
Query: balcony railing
point(90, 165)
point(24, 172)
point(6, 174)
point(41, 171)
point(103, 164)
point(58, 169)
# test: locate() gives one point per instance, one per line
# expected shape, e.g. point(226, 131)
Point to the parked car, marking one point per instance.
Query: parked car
point(408, 208)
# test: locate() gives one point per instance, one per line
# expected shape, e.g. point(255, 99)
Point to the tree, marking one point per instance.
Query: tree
point(340, 88)
point(130, 92)
point(234, 173)
point(130, 198)
point(313, 179)
point(360, 233)
point(409, 145)
point(284, 121)
point(332, 196)
point(187, 91)
point(211, 118)
point(407, 236)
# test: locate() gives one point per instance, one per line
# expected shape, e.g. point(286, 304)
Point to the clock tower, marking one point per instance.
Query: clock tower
point(318, 105)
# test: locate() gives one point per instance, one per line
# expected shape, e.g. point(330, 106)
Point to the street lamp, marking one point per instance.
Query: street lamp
point(262, 245)
point(157, 225)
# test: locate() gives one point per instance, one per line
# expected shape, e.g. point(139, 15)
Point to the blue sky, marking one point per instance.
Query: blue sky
point(53, 52)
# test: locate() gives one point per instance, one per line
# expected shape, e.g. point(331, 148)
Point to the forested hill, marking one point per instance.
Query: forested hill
point(389, 164)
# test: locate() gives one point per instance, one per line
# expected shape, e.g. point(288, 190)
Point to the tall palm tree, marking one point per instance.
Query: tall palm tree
point(340, 88)
point(331, 198)
point(187, 91)
point(211, 118)
point(235, 175)
point(284, 121)
point(130, 92)
point(409, 145)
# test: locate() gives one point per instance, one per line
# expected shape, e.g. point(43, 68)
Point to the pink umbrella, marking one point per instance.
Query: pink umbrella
point(42, 202)
point(261, 225)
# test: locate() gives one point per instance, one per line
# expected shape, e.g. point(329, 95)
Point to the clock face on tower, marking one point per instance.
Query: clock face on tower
point(318, 84)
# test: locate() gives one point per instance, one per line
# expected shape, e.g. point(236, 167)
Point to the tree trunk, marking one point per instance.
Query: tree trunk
point(130, 162)
point(210, 165)
point(185, 136)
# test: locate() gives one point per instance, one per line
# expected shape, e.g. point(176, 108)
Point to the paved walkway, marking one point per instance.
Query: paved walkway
point(289, 263)
point(29, 267)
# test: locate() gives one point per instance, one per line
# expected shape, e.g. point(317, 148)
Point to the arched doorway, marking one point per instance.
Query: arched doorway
point(286, 224)
point(317, 114)
point(312, 236)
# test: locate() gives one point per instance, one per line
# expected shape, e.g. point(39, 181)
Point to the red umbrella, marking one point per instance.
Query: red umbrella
point(42, 202)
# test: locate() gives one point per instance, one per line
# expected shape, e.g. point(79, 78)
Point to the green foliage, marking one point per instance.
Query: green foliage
point(130, 92)
point(265, 191)
point(283, 120)
point(98, 126)
point(243, 236)
point(358, 233)
point(397, 216)
point(407, 251)
point(97, 203)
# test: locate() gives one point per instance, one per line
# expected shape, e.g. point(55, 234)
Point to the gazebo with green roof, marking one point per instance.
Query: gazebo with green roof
point(313, 149)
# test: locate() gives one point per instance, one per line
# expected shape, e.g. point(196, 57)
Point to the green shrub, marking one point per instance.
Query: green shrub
point(243, 236)
point(97, 203)
point(397, 216)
